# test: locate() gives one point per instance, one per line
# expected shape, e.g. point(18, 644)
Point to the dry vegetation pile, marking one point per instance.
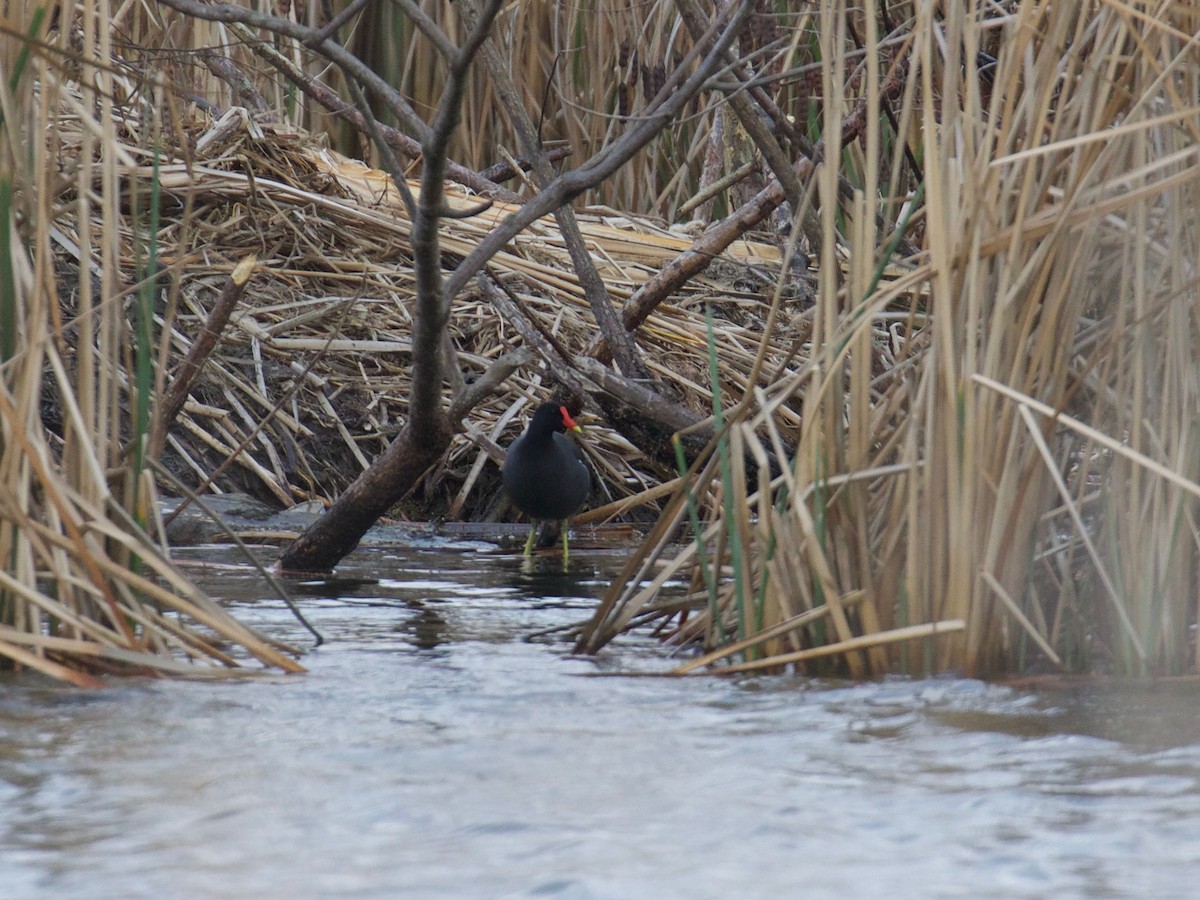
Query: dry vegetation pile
point(311, 378)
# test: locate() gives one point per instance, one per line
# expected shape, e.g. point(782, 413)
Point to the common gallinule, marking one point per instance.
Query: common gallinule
point(544, 473)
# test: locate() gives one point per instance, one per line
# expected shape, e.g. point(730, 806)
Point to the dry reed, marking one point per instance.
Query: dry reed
point(86, 587)
point(951, 491)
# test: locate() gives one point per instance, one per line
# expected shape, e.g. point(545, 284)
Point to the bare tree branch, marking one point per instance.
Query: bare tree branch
point(427, 430)
point(504, 170)
point(387, 158)
point(332, 50)
point(429, 28)
point(433, 305)
point(330, 28)
point(198, 354)
point(753, 119)
point(711, 244)
point(332, 101)
point(608, 160)
point(225, 69)
point(542, 344)
point(490, 382)
point(624, 350)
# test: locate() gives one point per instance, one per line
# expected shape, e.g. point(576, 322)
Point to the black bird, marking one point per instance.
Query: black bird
point(544, 472)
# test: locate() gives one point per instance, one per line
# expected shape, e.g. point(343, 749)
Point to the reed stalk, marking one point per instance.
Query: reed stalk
point(999, 461)
point(85, 590)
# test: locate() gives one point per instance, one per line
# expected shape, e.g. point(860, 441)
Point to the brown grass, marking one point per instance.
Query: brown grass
point(948, 491)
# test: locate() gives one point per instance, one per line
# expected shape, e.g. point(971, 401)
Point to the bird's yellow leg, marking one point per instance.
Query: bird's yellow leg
point(529, 540)
point(566, 552)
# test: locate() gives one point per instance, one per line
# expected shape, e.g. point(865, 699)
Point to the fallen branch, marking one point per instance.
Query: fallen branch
point(200, 351)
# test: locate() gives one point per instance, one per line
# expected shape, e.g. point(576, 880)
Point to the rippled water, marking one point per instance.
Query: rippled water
point(433, 752)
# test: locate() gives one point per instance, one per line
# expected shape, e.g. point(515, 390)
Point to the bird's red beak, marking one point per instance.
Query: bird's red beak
point(567, 420)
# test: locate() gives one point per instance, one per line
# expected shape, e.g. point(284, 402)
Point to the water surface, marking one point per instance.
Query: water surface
point(433, 751)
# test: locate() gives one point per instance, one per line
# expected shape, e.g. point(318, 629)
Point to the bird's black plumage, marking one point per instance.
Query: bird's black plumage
point(544, 472)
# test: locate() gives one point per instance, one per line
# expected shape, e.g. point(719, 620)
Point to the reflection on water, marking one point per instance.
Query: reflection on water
point(433, 752)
